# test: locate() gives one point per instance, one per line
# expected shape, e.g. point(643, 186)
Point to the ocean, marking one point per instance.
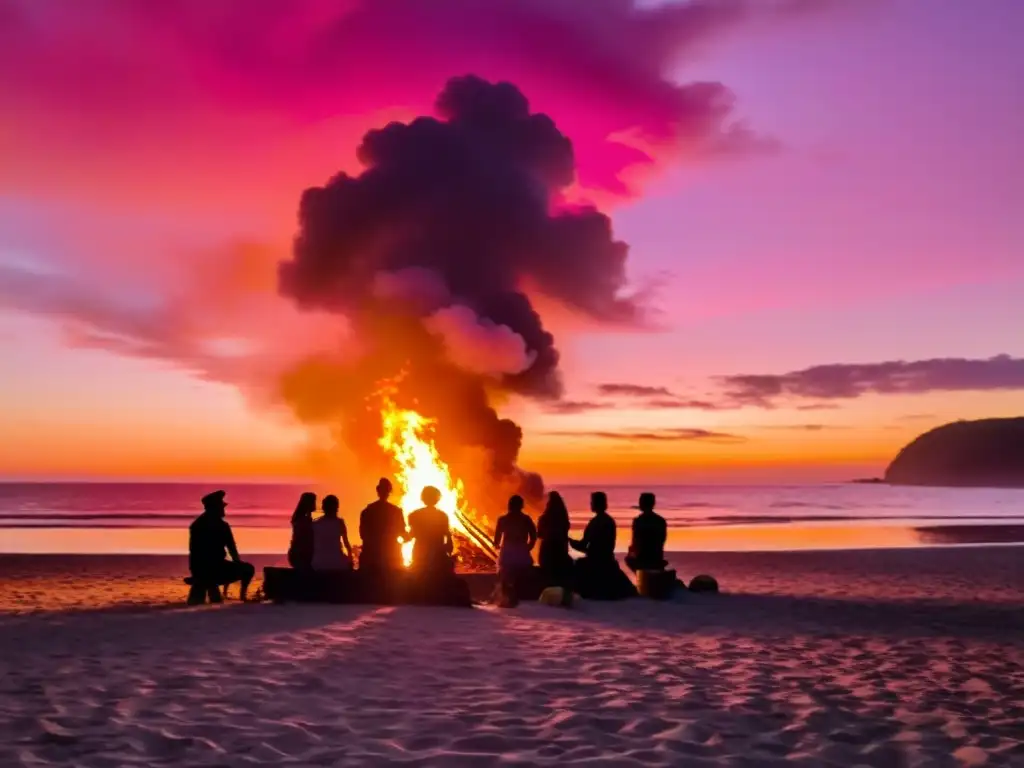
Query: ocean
point(153, 518)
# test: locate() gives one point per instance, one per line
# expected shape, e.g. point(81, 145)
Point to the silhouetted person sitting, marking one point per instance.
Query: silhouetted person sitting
point(598, 542)
point(381, 526)
point(597, 573)
point(647, 550)
point(432, 538)
point(209, 540)
point(329, 534)
point(553, 554)
point(514, 538)
point(300, 551)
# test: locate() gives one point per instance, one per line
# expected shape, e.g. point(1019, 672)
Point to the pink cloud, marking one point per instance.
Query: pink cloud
point(195, 97)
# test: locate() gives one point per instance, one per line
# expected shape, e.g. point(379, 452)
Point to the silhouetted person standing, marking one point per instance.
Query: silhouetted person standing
point(432, 538)
point(647, 550)
point(209, 541)
point(300, 552)
point(381, 525)
point(329, 534)
point(553, 553)
point(597, 573)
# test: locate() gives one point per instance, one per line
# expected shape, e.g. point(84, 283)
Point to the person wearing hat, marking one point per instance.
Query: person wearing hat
point(381, 528)
point(209, 541)
point(647, 550)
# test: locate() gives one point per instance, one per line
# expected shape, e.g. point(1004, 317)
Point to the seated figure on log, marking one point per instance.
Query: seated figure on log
point(597, 573)
point(300, 550)
point(209, 540)
point(329, 535)
point(646, 556)
point(433, 580)
point(382, 530)
point(432, 545)
point(553, 529)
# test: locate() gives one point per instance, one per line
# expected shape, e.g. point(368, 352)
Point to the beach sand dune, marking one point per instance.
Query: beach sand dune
point(755, 679)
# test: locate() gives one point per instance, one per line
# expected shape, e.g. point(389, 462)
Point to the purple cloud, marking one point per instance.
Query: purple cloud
point(677, 434)
point(845, 381)
point(633, 390)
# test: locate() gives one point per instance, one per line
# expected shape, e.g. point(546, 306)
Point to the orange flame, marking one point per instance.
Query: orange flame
point(407, 439)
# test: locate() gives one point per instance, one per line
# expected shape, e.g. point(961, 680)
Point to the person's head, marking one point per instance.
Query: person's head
point(383, 489)
point(646, 503)
point(515, 504)
point(556, 505)
point(430, 496)
point(330, 506)
point(599, 502)
point(305, 507)
point(214, 504)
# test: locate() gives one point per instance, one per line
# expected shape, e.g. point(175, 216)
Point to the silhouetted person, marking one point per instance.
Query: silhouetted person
point(300, 551)
point(647, 550)
point(209, 541)
point(598, 542)
point(432, 538)
point(381, 525)
point(514, 537)
point(329, 534)
point(553, 554)
point(597, 574)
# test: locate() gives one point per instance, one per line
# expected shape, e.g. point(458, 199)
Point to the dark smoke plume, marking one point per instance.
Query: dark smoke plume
point(426, 251)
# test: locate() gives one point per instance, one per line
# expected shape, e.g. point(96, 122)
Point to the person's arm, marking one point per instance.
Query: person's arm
point(583, 544)
point(532, 534)
point(402, 530)
point(193, 559)
point(344, 540)
point(230, 543)
point(499, 532)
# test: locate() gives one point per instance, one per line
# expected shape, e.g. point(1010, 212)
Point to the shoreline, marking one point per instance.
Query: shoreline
point(767, 536)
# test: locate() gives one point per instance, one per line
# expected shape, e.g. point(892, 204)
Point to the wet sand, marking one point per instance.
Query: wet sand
point(870, 658)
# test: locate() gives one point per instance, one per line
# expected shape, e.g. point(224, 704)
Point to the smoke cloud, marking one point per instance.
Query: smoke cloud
point(425, 251)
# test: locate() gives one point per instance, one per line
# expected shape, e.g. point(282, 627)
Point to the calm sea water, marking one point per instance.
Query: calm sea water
point(150, 517)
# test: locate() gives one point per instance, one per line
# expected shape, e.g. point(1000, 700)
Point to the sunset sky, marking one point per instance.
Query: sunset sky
point(829, 265)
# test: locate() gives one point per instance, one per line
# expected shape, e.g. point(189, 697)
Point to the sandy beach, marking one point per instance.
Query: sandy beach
point(875, 658)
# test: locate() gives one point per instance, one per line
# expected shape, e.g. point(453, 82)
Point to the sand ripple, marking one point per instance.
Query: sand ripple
point(637, 684)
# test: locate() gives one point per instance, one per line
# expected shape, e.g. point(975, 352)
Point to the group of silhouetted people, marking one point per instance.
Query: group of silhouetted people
point(322, 546)
point(596, 574)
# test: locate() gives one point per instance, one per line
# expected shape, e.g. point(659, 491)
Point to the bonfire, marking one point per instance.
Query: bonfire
point(407, 437)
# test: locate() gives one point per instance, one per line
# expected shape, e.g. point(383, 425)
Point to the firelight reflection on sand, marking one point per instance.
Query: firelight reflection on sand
point(407, 440)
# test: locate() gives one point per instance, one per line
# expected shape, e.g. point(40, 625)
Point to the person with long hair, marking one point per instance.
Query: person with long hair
point(553, 554)
point(300, 551)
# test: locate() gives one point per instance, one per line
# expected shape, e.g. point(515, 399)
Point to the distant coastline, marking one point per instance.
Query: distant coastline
point(986, 453)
